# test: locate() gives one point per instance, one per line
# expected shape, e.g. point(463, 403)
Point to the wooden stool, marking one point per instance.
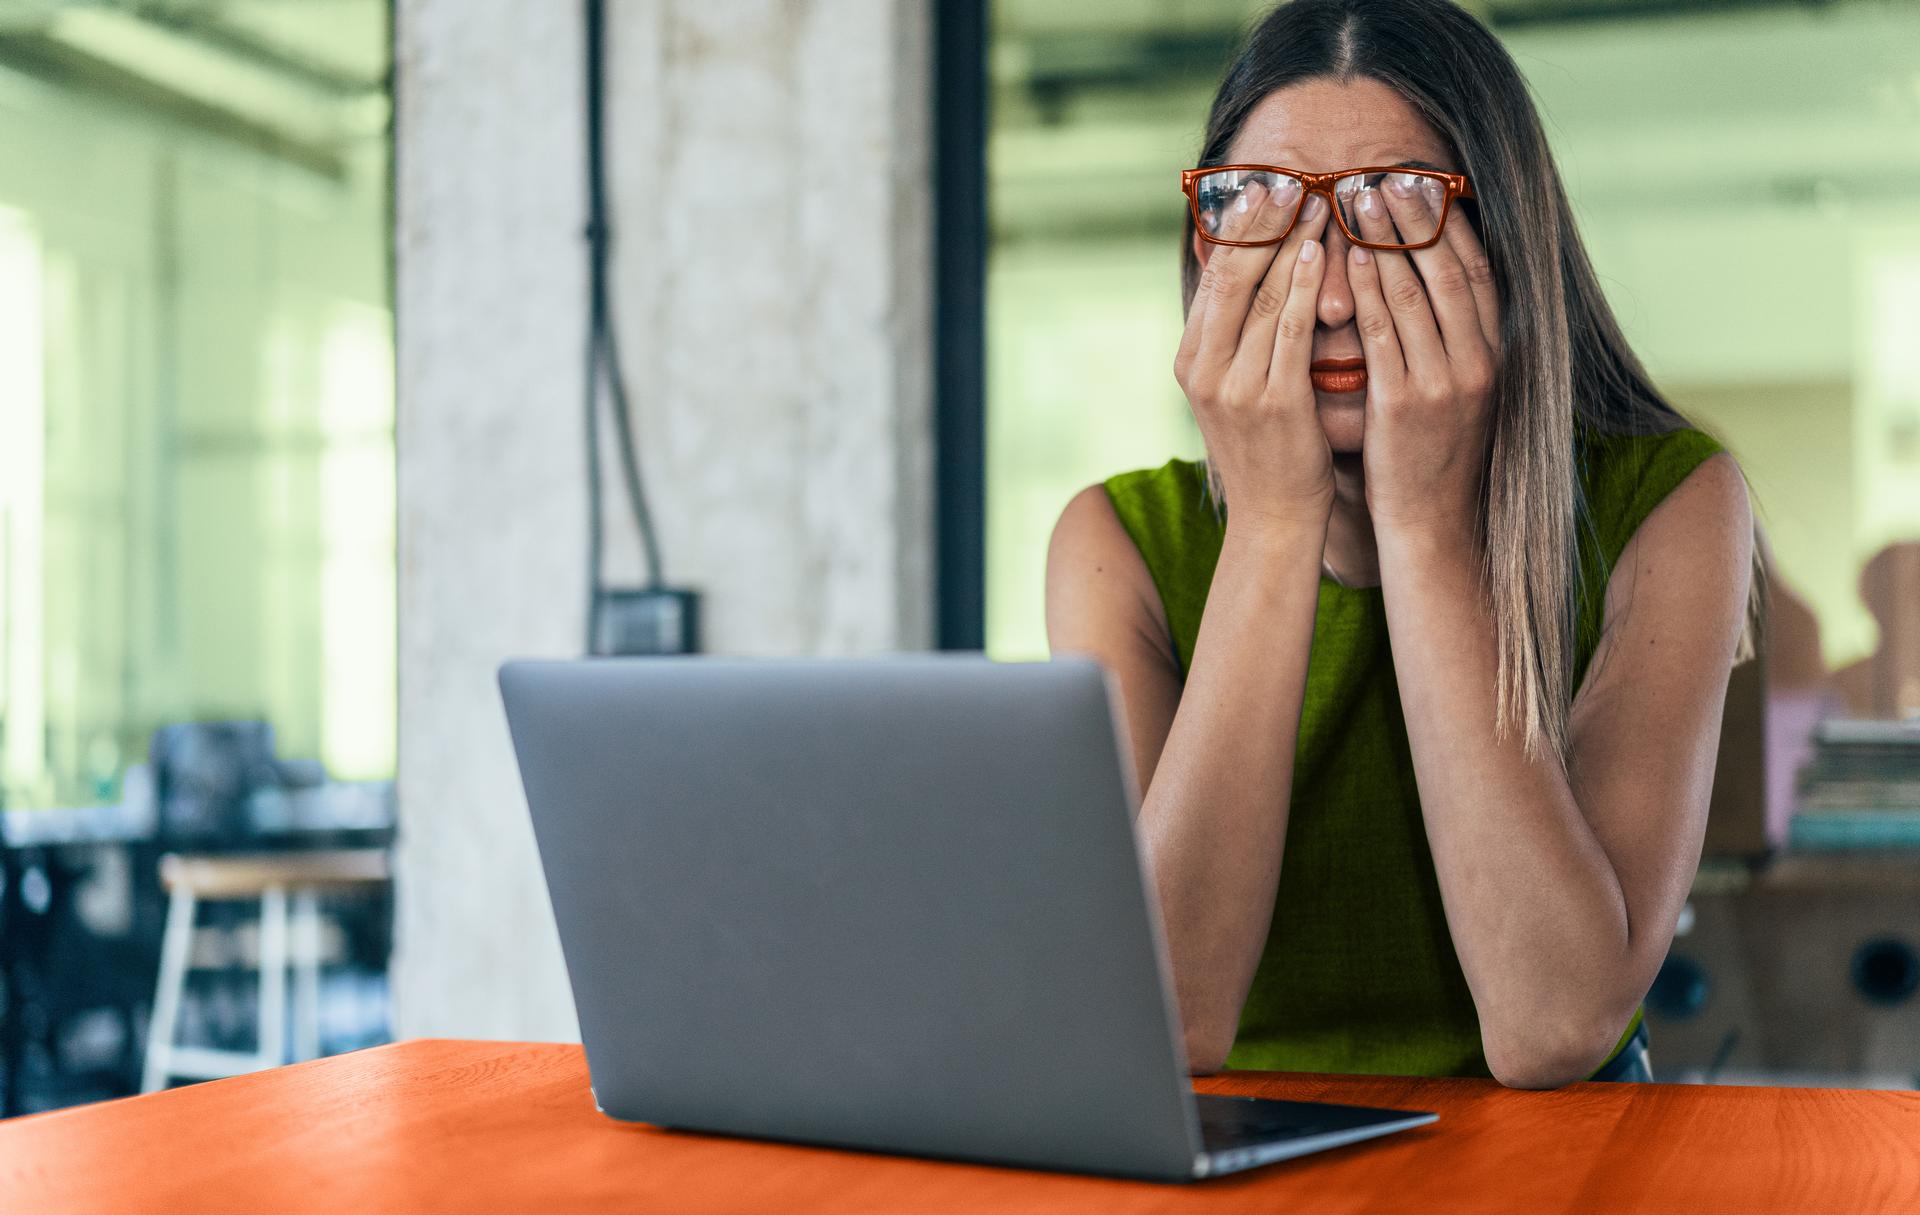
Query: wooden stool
point(275, 879)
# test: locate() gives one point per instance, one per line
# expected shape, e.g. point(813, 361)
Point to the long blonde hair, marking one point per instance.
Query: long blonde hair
point(1563, 356)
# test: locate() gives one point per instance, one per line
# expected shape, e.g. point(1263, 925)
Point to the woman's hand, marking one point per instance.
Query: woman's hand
point(1243, 363)
point(1432, 350)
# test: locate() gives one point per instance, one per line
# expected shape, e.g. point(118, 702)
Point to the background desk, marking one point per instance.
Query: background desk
point(481, 1126)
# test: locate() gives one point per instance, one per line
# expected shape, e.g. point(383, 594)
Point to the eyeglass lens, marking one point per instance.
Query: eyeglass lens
point(1379, 209)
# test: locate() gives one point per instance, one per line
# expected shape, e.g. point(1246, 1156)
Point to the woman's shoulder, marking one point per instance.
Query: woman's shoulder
point(1162, 503)
point(1175, 474)
point(1625, 460)
point(1169, 514)
point(1624, 477)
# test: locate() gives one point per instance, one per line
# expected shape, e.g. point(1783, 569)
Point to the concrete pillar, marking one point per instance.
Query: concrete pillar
point(772, 262)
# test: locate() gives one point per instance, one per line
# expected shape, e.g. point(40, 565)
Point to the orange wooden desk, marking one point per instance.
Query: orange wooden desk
point(485, 1126)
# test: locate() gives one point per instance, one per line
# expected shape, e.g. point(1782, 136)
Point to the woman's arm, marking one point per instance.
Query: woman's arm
point(1216, 757)
point(1215, 763)
point(1562, 890)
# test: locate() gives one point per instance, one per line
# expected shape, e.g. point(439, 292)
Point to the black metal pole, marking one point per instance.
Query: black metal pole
point(959, 315)
point(13, 1017)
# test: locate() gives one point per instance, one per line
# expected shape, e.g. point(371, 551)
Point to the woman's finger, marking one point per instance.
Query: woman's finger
point(1233, 225)
point(1455, 307)
point(1386, 364)
point(1413, 319)
point(1293, 327)
point(1233, 273)
point(1466, 244)
point(1254, 360)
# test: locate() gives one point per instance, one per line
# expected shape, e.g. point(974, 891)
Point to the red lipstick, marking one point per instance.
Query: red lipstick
point(1348, 374)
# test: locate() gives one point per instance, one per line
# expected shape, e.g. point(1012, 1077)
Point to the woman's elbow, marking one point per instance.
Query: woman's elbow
point(1546, 1060)
point(1207, 1052)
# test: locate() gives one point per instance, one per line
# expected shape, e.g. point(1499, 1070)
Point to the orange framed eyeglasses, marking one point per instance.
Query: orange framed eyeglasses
point(1217, 198)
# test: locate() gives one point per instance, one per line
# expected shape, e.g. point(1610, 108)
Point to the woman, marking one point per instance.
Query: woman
point(1423, 666)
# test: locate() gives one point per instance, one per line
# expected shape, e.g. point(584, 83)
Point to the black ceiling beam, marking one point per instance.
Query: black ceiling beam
point(196, 25)
point(58, 63)
point(1090, 59)
point(1581, 12)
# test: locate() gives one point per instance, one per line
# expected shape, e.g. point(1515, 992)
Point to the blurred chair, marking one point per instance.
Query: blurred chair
point(207, 777)
point(287, 887)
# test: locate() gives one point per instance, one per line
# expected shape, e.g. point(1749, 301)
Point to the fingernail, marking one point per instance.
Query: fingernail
point(1316, 206)
point(1360, 255)
point(1309, 250)
point(1370, 201)
point(1240, 203)
point(1400, 183)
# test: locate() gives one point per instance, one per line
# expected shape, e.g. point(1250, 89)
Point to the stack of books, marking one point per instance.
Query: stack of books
point(1862, 787)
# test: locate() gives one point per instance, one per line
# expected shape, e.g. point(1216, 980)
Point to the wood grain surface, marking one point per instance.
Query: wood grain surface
point(431, 1126)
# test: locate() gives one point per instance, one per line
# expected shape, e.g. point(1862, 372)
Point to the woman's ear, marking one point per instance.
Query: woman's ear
point(1202, 249)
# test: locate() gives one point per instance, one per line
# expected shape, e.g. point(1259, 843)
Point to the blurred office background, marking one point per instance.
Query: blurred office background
point(231, 610)
point(196, 501)
point(1747, 179)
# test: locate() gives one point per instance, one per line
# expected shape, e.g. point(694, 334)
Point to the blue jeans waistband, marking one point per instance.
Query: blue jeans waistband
point(1630, 1064)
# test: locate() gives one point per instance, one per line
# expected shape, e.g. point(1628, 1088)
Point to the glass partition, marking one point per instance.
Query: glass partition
point(196, 402)
point(197, 556)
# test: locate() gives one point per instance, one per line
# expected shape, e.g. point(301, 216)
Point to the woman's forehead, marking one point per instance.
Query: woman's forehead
point(1324, 124)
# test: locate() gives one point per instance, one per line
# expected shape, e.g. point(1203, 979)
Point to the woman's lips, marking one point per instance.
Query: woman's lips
point(1338, 375)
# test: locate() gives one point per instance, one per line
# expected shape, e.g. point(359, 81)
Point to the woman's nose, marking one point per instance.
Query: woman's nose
point(1336, 294)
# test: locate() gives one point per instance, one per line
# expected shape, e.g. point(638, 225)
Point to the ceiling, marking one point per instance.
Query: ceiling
point(303, 80)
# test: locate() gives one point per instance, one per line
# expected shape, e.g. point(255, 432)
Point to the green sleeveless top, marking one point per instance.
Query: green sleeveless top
point(1359, 972)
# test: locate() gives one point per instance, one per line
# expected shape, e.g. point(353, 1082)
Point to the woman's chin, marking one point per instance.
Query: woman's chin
point(1343, 415)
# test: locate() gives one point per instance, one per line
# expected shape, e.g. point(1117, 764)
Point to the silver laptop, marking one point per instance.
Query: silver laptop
point(892, 904)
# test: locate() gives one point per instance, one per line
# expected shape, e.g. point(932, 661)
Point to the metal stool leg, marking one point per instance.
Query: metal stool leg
point(273, 976)
point(174, 947)
point(306, 975)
